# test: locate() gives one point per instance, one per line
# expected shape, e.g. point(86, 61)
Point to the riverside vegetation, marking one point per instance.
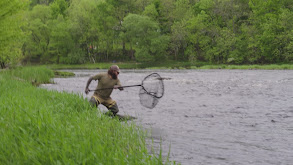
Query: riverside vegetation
point(146, 31)
point(171, 65)
point(38, 126)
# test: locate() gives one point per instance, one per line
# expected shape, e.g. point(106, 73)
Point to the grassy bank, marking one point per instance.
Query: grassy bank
point(36, 75)
point(38, 126)
point(174, 65)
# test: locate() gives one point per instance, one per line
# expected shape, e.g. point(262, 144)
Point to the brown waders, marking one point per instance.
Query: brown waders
point(109, 103)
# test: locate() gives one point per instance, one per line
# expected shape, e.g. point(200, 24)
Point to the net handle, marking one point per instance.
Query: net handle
point(118, 87)
point(137, 85)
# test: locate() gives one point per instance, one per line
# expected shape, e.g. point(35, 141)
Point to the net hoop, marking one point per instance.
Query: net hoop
point(158, 77)
point(152, 89)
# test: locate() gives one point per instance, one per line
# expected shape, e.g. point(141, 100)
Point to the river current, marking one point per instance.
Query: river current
point(209, 117)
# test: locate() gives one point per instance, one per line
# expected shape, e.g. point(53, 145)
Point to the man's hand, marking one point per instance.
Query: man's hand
point(118, 87)
point(87, 90)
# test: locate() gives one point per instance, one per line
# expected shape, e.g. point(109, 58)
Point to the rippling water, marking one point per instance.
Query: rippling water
point(210, 116)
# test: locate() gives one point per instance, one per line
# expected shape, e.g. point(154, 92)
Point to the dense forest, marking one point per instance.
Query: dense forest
point(89, 31)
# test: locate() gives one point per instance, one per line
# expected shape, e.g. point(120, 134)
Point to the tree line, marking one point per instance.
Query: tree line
point(89, 31)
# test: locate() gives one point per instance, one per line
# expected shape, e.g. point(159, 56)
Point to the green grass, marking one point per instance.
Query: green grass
point(63, 74)
point(38, 126)
point(34, 74)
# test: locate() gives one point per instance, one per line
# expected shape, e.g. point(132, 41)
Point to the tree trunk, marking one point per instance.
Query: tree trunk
point(2, 65)
point(123, 50)
point(131, 52)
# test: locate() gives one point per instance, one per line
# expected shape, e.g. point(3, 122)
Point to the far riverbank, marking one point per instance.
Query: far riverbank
point(173, 65)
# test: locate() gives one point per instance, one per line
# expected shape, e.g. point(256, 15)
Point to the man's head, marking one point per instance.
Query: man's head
point(114, 71)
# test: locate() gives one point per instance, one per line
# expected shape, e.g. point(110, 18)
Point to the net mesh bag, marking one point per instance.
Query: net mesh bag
point(152, 89)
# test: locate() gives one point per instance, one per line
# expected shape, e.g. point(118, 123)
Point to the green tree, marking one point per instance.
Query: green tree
point(40, 2)
point(61, 43)
point(179, 41)
point(181, 14)
point(83, 27)
point(182, 10)
point(141, 4)
point(144, 34)
point(11, 35)
point(37, 43)
point(266, 20)
point(58, 7)
point(200, 36)
point(165, 19)
point(218, 31)
point(286, 38)
point(151, 11)
point(107, 29)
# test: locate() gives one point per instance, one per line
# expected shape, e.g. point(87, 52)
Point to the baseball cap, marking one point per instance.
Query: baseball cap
point(115, 67)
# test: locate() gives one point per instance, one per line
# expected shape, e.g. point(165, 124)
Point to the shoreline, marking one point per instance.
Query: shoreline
point(173, 66)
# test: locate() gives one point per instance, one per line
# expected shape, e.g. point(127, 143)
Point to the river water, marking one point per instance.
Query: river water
point(210, 116)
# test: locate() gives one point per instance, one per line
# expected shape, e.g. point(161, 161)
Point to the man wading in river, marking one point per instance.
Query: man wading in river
point(105, 80)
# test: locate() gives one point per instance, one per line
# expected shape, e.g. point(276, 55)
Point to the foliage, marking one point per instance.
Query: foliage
point(63, 74)
point(145, 35)
point(11, 35)
point(60, 42)
point(37, 42)
point(58, 7)
point(90, 31)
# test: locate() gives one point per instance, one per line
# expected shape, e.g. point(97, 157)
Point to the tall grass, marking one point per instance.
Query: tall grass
point(38, 126)
point(34, 74)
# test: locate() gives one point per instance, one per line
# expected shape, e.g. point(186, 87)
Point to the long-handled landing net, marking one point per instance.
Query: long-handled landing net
point(151, 90)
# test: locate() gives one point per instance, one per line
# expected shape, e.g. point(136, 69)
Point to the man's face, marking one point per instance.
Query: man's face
point(115, 74)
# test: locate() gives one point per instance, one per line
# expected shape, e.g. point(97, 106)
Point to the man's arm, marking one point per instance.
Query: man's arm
point(87, 85)
point(119, 86)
